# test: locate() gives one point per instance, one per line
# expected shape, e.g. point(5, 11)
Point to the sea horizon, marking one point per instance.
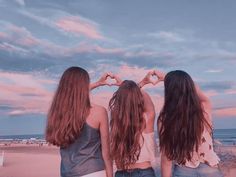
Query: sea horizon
point(43, 134)
point(226, 136)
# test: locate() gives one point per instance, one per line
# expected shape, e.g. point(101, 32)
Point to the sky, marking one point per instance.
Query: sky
point(40, 39)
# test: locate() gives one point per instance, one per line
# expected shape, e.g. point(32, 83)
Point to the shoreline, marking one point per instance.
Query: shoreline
point(34, 160)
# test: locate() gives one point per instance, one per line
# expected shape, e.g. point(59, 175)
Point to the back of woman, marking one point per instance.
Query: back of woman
point(79, 128)
point(132, 136)
point(84, 156)
point(185, 129)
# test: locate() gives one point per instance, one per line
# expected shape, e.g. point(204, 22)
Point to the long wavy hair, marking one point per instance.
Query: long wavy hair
point(181, 119)
point(69, 108)
point(127, 124)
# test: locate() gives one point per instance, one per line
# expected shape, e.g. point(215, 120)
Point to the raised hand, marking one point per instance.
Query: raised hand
point(117, 79)
point(102, 81)
point(147, 79)
point(160, 75)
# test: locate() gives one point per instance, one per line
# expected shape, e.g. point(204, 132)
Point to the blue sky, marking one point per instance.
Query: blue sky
point(40, 39)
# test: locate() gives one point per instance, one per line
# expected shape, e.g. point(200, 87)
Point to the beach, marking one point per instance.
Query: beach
point(30, 160)
point(35, 160)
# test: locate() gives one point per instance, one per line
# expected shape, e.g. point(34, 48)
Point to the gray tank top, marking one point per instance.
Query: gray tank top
point(84, 156)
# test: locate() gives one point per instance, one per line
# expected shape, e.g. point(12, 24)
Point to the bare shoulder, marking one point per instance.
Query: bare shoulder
point(99, 110)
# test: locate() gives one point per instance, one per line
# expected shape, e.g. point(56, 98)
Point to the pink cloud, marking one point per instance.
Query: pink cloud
point(22, 36)
point(3, 35)
point(79, 27)
point(146, 53)
point(211, 93)
point(19, 39)
point(230, 91)
point(90, 48)
point(225, 112)
point(136, 73)
point(12, 48)
point(24, 92)
point(102, 98)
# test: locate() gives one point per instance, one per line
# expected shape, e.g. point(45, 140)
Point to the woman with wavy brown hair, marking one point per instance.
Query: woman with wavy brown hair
point(185, 129)
point(79, 127)
point(132, 130)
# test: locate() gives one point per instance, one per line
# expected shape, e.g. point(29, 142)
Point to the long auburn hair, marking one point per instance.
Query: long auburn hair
point(127, 123)
point(181, 119)
point(69, 108)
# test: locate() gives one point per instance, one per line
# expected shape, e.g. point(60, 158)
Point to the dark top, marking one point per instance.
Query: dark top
point(84, 156)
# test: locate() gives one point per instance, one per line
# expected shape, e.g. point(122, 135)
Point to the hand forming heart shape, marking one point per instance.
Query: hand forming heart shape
point(153, 78)
point(110, 80)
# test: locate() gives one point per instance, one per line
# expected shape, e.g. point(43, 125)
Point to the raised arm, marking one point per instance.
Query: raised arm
point(206, 104)
point(105, 142)
point(147, 79)
point(150, 112)
point(101, 81)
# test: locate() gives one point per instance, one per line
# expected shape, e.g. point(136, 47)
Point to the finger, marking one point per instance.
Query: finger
point(149, 73)
point(153, 82)
point(152, 72)
point(157, 82)
point(110, 74)
point(114, 84)
point(116, 77)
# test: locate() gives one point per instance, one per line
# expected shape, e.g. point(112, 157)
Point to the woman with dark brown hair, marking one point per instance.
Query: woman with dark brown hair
point(132, 131)
point(185, 129)
point(79, 127)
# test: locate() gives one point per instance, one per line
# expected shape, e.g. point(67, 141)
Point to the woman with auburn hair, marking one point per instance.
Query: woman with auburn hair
point(79, 127)
point(185, 129)
point(132, 130)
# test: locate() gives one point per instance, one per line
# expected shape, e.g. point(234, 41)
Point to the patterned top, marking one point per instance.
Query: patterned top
point(205, 153)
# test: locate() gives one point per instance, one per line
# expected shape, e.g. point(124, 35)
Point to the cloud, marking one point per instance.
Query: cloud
point(217, 85)
point(132, 72)
point(68, 24)
point(230, 91)
point(214, 71)
point(167, 36)
point(12, 48)
point(24, 93)
point(225, 112)
point(79, 26)
point(20, 2)
point(92, 48)
point(3, 35)
point(211, 93)
point(21, 36)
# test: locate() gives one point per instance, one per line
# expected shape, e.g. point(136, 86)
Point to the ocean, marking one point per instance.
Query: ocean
point(225, 136)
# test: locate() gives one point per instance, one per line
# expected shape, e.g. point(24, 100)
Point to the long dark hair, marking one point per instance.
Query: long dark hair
point(69, 108)
point(181, 119)
point(127, 123)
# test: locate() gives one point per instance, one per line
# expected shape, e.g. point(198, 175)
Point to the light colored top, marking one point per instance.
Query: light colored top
point(205, 152)
point(148, 148)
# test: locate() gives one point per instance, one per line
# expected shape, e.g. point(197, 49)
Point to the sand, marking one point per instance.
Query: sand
point(32, 160)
